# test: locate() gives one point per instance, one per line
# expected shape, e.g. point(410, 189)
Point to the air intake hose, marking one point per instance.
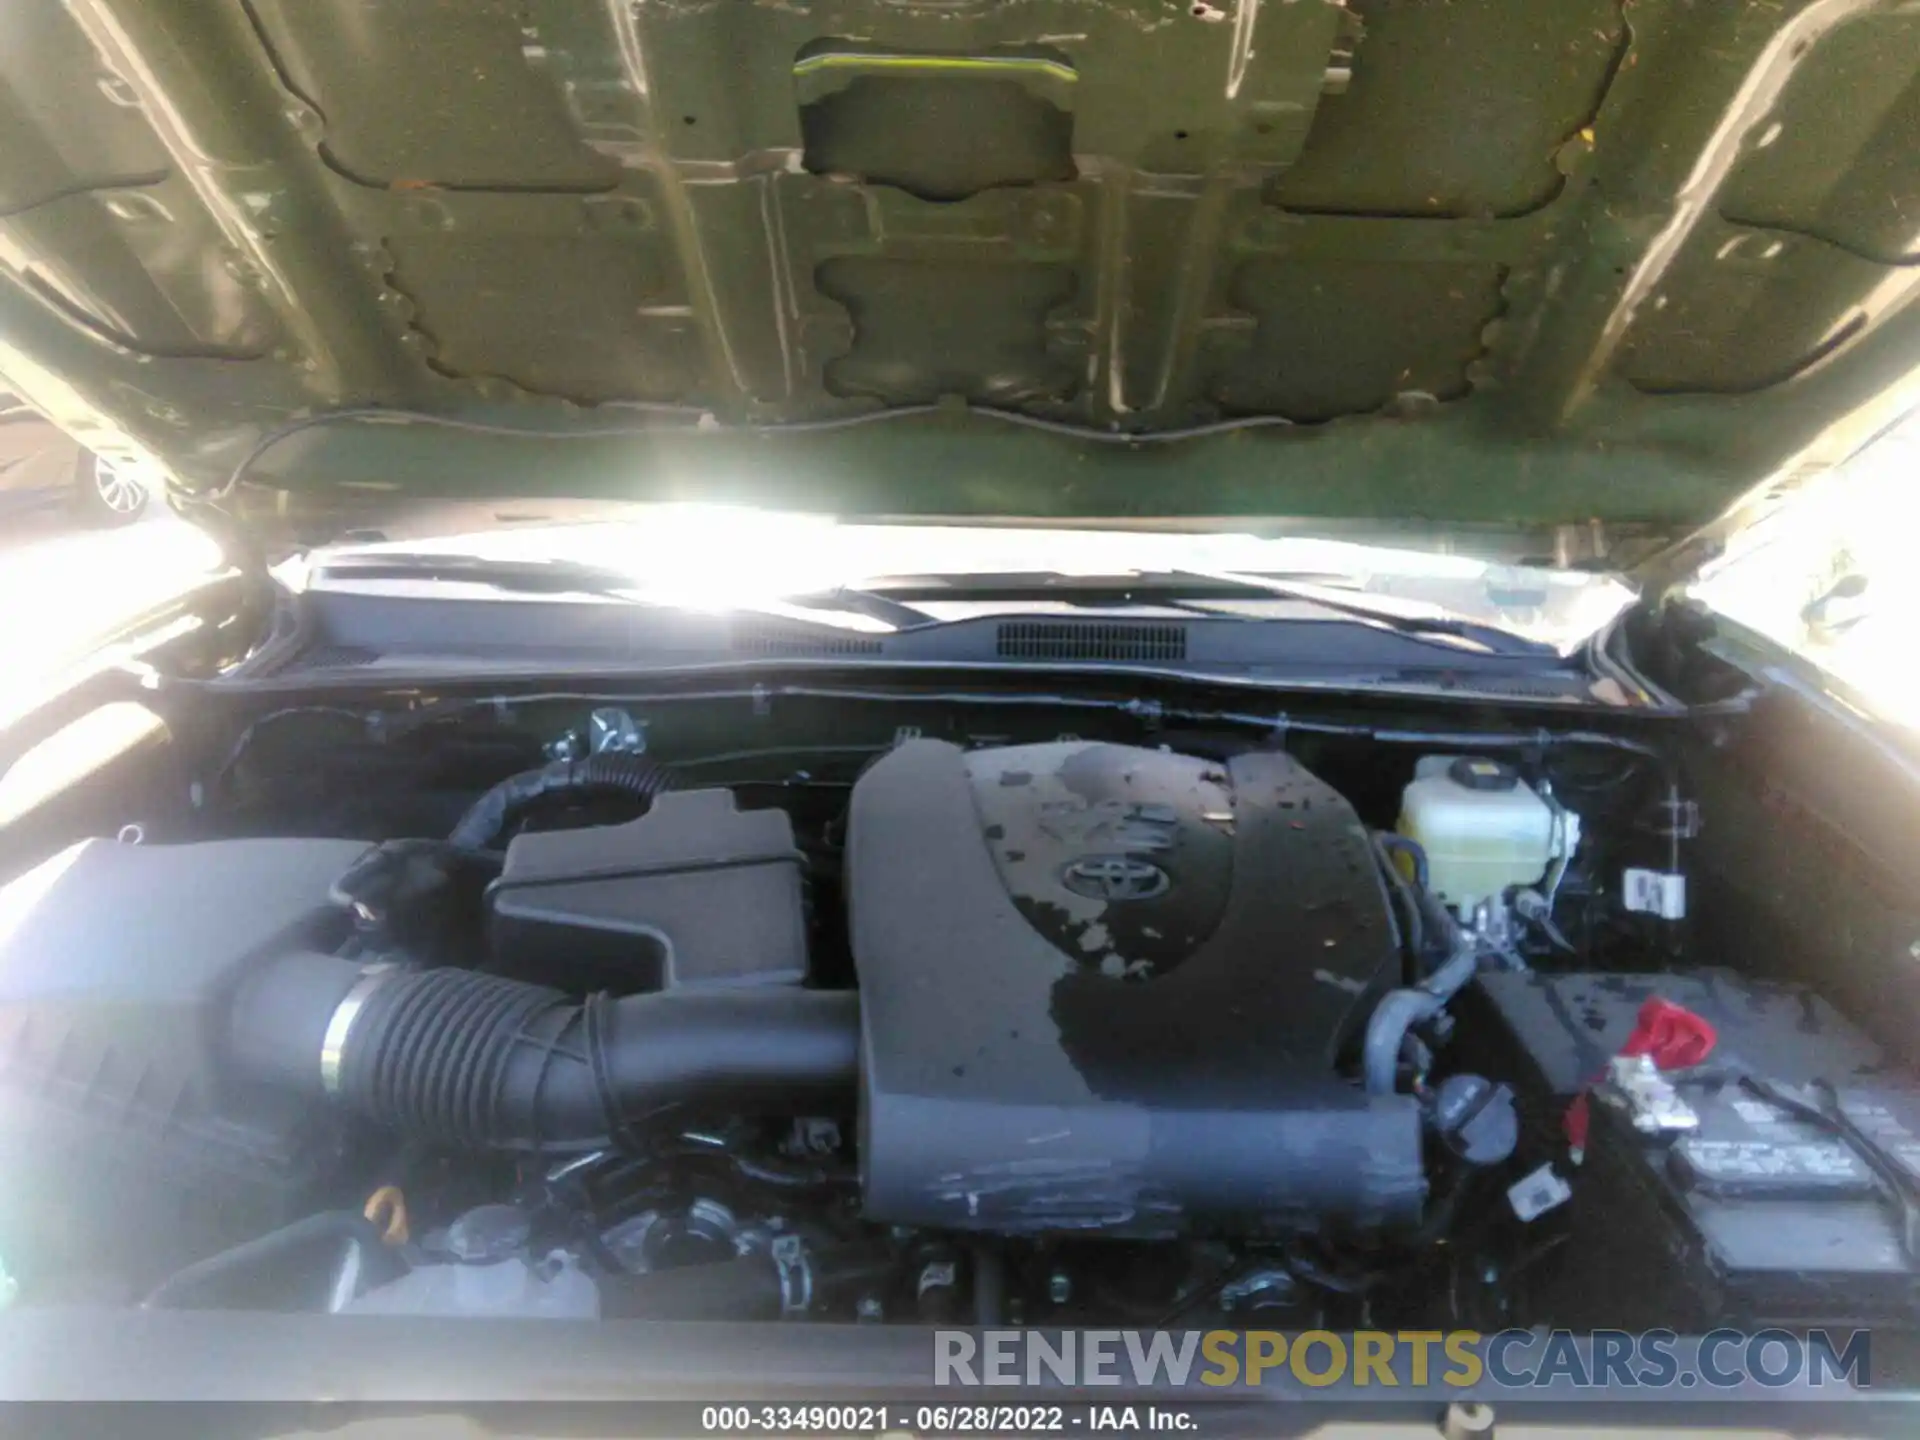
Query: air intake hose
point(610, 773)
point(455, 1057)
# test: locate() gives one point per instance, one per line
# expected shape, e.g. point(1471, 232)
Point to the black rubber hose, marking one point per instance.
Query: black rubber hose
point(456, 1057)
point(1431, 928)
point(1411, 923)
point(1415, 852)
point(634, 776)
point(378, 1263)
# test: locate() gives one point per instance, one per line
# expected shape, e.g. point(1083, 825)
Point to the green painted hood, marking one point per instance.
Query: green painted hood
point(1497, 262)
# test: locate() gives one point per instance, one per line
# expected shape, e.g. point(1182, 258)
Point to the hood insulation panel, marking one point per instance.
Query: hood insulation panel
point(1495, 260)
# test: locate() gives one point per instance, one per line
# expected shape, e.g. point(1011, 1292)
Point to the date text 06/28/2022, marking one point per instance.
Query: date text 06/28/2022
point(1216, 1365)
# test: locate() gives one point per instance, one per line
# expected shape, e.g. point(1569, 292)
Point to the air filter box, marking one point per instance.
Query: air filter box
point(129, 1149)
point(694, 892)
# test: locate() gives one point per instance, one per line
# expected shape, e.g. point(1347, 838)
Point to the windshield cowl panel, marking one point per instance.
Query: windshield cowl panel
point(723, 558)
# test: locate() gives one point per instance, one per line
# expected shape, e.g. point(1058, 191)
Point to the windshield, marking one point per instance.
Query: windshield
point(721, 558)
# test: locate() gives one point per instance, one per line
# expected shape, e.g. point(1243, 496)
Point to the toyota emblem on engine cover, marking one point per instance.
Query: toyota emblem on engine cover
point(1115, 877)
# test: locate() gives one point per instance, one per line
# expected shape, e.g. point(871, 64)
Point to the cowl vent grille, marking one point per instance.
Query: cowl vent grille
point(1077, 640)
point(329, 656)
point(762, 635)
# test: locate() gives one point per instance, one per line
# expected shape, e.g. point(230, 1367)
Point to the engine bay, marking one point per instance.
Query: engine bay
point(563, 1013)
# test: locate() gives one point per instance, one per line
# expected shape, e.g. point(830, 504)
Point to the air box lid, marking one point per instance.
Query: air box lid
point(694, 892)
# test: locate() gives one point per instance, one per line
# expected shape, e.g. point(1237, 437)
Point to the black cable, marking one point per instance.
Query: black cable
point(244, 741)
point(636, 778)
point(1278, 724)
point(701, 422)
point(1833, 1120)
point(767, 1170)
point(775, 752)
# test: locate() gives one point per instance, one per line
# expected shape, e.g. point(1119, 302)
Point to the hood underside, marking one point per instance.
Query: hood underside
point(1495, 260)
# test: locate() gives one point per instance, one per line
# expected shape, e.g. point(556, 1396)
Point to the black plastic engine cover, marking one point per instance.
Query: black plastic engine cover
point(1103, 988)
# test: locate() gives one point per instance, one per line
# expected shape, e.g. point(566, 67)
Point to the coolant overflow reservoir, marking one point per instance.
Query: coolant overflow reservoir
point(1483, 827)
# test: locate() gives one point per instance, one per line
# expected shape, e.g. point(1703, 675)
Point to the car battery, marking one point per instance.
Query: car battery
point(1735, 1204)
point(1757, 1217)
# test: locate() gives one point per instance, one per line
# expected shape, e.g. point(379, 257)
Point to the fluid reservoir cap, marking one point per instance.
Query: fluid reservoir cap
point(1477, 772)
point(1476, 1119)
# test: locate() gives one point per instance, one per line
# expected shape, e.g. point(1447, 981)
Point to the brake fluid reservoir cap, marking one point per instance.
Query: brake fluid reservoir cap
point(1476, 772)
